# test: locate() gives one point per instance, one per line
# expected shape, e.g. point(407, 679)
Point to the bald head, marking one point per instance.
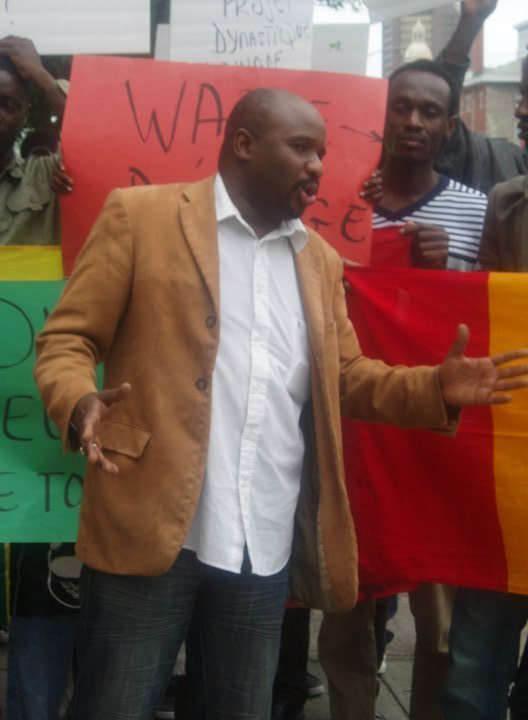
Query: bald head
point(258, 110)
point(252, 112)
point(271, 157)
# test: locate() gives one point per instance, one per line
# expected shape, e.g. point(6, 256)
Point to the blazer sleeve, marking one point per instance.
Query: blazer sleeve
point(80, 329)
point(373, 391)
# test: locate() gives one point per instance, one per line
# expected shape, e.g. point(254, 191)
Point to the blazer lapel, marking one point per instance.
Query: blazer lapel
point(199, 226)
point(308, 264)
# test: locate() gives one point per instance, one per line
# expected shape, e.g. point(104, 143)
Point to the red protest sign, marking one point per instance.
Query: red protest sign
point(134, 121)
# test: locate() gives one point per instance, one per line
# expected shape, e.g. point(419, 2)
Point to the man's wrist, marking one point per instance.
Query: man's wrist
point(42, 79)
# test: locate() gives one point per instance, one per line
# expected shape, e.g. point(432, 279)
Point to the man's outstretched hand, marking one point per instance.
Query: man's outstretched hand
point(87, 416)
point(480, 381)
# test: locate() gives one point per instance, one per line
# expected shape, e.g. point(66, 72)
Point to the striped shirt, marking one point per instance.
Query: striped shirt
point(458, 209)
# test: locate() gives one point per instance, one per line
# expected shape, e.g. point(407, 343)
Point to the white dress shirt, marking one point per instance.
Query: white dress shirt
point(261, 381)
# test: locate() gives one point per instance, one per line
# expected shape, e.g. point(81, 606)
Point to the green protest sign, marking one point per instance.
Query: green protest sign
point(40, 487)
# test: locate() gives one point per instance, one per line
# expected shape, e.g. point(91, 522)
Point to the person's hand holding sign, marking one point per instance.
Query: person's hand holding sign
point(86, 418)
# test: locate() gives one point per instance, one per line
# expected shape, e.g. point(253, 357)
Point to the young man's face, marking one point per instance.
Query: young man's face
point(417, 116)
point(285, 163)
point(13, 110)
point(521, 112)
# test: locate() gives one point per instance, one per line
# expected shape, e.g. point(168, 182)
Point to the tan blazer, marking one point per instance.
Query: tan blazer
point(144, 298)
point(505, 236)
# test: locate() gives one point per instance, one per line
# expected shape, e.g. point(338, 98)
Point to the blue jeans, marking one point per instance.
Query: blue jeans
point(132, 627)
point(483, 653)
point(39, 660)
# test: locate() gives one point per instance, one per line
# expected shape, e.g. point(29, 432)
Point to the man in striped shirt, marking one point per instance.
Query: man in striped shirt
point(424, 218)
point(432, 222)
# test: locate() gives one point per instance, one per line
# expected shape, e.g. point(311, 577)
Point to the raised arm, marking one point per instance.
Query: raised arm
point(472, 17)
point(26, 59)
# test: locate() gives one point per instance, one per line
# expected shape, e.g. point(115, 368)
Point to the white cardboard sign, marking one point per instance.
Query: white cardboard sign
point(67, 27)
point(252, 33)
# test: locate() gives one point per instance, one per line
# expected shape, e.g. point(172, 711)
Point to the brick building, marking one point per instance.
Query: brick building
point(490, 95)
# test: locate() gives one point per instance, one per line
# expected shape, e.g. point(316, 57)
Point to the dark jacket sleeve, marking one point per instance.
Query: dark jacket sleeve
point(505, 236)
point(473, 158)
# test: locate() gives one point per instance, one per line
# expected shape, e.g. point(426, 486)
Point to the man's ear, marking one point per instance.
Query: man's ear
point(243, 144)
point(451, 125)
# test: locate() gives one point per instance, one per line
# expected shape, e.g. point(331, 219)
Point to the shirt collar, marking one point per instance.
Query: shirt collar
point(15, 167)
point(293, 229)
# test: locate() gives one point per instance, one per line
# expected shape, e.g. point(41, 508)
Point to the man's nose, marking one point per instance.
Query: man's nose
point(315, 165)
point(414, 119)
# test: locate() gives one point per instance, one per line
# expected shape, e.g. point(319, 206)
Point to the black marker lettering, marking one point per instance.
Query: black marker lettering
point(8, 417)
point(165, 145)
point(217, 119)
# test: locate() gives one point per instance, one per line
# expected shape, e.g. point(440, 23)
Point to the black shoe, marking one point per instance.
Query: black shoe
point(282, 711)
point(314, 685)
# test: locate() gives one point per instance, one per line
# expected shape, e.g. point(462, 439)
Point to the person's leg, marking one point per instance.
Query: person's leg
point(347, 653)
point(519, 691)
point(483, 652)
point(130, 630)
point(40, 656)
point(432, 607)
point(233, 645)
point(381, 614)
point(290, 690)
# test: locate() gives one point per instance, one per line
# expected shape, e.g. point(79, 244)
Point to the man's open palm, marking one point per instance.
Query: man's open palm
point(480, 381)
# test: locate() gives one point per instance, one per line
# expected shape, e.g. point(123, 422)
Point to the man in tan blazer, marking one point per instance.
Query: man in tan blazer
point(214, 452)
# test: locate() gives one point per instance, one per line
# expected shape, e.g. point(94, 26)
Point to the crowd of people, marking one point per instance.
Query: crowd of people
point(214, 447)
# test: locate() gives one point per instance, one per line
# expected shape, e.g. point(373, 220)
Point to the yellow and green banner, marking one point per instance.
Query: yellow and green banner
point(40, 488)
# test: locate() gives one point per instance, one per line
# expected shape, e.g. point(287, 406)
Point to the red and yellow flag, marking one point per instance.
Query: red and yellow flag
point(430, 508)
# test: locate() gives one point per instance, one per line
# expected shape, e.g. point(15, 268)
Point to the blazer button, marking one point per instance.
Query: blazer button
point(210, 321)
point(201, 384)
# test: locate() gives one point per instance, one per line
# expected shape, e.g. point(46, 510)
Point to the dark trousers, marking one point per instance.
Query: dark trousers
point(131, 629)
point(290, 681)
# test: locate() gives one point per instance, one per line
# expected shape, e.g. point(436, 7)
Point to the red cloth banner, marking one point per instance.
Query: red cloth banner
point(134, 121)
point(431, 508)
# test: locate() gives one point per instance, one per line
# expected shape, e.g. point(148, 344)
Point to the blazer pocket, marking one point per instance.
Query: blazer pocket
point(124, 439)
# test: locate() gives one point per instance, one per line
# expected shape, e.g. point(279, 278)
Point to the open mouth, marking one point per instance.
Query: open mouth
point(308, 192)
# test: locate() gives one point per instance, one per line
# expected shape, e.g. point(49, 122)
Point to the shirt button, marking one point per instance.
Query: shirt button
point(201, 384)
point(210, 321)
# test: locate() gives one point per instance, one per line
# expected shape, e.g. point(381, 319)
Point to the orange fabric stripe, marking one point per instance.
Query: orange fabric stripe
point(508, 312)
